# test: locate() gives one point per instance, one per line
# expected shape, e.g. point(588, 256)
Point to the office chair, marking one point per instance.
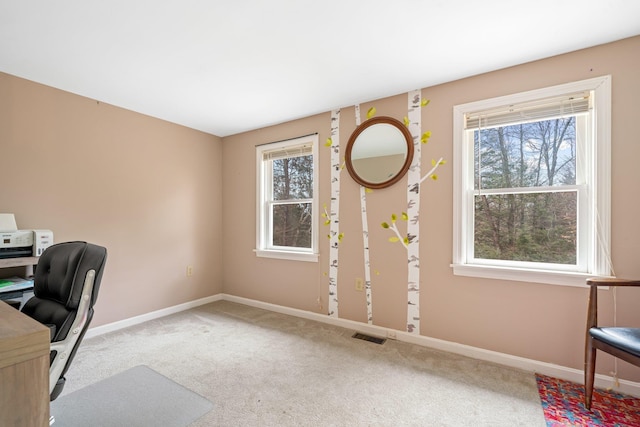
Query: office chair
point(65, 289)
point(621, 342)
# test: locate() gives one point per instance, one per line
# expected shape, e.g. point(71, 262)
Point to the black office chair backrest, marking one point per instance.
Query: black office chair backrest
point(65, 289)
point(58, 284)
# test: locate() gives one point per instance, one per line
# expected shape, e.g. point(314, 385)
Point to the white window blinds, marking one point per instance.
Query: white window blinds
point(565, 105)
point(288, 152)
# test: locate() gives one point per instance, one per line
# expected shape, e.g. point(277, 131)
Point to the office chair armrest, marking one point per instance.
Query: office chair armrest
point(612, 281)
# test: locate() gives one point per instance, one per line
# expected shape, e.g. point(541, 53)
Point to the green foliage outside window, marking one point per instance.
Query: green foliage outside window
point(292, 209)
point(522, 210)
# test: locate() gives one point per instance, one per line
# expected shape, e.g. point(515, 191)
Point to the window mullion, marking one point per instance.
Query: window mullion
point(529, 190)
point(291, 201)
point(469, 201)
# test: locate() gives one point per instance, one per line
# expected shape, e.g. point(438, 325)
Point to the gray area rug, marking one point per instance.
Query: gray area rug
point(136, 397)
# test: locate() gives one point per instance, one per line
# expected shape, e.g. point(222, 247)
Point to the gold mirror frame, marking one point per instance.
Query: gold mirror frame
point(357, 138)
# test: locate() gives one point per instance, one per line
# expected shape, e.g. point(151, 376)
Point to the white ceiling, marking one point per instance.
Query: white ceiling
point(227, 66)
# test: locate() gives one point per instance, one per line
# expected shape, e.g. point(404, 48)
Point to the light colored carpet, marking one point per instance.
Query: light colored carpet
point(137, 397)
point(262, 368)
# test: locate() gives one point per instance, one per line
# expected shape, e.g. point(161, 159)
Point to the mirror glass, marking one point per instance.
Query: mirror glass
point(379, 152)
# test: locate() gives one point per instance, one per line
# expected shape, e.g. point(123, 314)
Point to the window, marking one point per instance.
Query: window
point(287, 199)
point(531, 185)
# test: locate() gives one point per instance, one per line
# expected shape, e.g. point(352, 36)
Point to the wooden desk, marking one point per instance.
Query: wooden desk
point(24, 370)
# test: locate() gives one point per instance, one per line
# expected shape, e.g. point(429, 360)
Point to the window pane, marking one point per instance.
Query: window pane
point(292, 225)
point(526, 155)
point(293, 178)
point(534, 227)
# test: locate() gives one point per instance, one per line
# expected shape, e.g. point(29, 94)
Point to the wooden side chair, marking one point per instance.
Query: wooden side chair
point(621, 342)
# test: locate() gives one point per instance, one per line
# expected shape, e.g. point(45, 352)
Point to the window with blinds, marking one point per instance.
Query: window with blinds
point(530, 169)
point(287, 191)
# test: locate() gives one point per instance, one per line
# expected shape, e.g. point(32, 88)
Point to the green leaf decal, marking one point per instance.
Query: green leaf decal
point(425, 137)
point(371, 112)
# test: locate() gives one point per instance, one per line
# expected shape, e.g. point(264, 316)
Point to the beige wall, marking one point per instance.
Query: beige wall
point(148, 190)
point(536, 321)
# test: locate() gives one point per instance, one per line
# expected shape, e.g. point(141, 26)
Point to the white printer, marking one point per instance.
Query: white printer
point(19, 243)
point(42, 239)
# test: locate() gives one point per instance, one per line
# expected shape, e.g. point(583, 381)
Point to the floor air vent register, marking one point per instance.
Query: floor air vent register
point(369, 338)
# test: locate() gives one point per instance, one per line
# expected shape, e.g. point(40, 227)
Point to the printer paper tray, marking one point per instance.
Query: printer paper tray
point(15, 252)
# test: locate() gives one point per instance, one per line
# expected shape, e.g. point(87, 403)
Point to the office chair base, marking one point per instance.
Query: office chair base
point(57, 389)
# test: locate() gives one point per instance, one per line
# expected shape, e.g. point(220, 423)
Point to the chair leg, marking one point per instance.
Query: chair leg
point(589, 372)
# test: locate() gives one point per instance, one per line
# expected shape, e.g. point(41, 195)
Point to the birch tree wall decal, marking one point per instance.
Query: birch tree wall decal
point(413, 213)
point(365, 230)
point(411, 240)
point(367, 264)
point(398, 237)
point(334, 226)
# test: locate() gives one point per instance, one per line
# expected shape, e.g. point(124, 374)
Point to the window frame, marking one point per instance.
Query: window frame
point(264, 224)
point(596, 249)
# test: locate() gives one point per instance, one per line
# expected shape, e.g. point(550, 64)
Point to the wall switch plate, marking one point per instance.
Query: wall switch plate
point(359, 284)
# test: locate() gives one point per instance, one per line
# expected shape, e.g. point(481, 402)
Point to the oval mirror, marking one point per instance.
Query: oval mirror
point(379, 152)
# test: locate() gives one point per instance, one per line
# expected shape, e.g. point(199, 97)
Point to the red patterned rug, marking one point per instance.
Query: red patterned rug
point(563, 405)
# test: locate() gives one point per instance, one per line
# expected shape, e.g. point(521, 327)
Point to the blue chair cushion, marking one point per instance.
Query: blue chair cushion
point(626, 339)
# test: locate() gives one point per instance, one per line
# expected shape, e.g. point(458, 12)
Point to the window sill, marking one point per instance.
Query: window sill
point(288, 255)
point(523, 275)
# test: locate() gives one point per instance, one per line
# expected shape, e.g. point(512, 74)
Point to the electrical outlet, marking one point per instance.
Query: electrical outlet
point(359, 284)
point(189, 270)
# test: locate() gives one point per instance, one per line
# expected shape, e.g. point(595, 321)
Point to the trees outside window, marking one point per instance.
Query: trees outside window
point(526, 198)
point(290, 206)
point(532, 184)
point(287, 207)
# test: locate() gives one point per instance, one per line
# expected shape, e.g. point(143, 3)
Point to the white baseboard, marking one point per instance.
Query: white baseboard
point(529, 365)
point(110, 327)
